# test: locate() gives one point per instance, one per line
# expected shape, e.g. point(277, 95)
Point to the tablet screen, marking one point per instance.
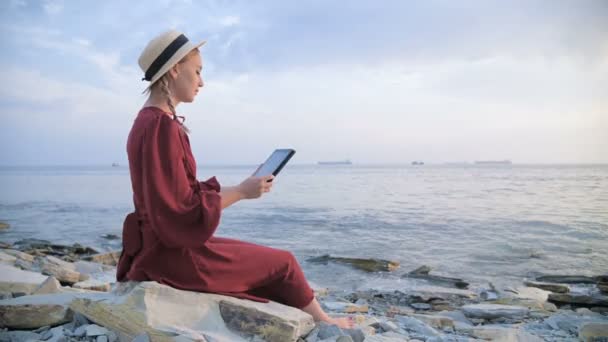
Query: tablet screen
point(275, 162)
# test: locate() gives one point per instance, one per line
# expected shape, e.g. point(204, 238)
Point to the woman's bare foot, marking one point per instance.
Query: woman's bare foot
point(342, 322)
point(314, 309)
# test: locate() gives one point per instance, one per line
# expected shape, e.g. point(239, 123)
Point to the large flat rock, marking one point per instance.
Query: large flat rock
point(13, 279)
point(163, 312)
point(492, 311)
point(31, 312)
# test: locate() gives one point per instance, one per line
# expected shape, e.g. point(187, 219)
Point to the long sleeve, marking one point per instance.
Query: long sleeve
point(180, 214)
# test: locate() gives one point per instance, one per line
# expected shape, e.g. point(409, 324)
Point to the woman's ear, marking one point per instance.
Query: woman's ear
point(174, 71)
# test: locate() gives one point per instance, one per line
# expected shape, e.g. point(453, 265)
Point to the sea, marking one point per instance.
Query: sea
point(498, 224)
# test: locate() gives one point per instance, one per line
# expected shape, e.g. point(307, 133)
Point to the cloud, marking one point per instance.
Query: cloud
point(230, 20)
point(53, 7)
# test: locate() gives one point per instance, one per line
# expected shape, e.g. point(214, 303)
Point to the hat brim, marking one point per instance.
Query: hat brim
point(177, 56)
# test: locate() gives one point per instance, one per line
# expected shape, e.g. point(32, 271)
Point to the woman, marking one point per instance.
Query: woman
point(169, 238)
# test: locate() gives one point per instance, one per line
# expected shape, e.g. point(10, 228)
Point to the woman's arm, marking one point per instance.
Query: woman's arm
point(252, 187)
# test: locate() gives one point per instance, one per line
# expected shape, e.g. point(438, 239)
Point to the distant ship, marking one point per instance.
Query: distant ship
point(336, 162)
point(416, 162)
point(493, 162)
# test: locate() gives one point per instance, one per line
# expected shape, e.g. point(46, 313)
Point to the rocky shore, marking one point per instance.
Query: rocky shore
point(58, 293)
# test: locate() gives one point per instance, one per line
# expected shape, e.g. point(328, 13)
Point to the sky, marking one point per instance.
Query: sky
point(373, 82)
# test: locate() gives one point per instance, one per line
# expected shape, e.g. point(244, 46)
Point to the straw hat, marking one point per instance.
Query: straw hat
point(163, 52)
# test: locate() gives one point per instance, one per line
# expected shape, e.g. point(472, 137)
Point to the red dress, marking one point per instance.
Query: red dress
point(169, 238)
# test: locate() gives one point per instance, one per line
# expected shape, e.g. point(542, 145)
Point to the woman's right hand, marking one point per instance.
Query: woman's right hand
point(254, 187)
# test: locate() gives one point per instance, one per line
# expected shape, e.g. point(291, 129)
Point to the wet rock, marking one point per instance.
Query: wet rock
point(567, 279)
point(15, 280)
point(593, 331)
point(423, 273)
point(493, 311)
point(110, 236)
point(579, 299)
point(368, 265)
point(557, 288)
point(110, 258)
point(42, 248)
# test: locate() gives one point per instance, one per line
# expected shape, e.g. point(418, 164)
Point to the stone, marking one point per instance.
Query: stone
point(493, 311)
point(593, 331)
point(578, 299)
point(557, 288)
point(50, 285)
point(31, 312)
point(423, 273)
point(603, 288)
point(95, 330)
point(394, 310)
point(387, 338)
point(93, 285)
point(102, 338)
point(501, 333)
point(346, 307)
point(16, 280)
point(19, 255)
point(355, 334)
point(110, 258)
point(7, 259)
point(421, 306)
point(64, 271)
point(80, 331)
point(416, 327)
point(569, 279)
point(19, 336)
point(141, 338)
point(161, 312)
point(435, 321)
point(368, 265)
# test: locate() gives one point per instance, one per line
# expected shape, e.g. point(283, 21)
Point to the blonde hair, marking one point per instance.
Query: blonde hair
point(163, 85)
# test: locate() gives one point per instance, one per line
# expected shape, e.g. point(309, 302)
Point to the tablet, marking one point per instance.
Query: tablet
point(275, 162)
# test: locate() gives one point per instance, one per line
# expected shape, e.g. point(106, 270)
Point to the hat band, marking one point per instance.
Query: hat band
point(167, 53)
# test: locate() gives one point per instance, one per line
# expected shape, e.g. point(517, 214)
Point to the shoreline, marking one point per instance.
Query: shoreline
point(444, 310)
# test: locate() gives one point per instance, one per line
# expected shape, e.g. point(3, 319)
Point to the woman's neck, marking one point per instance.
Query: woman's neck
point(158, 101)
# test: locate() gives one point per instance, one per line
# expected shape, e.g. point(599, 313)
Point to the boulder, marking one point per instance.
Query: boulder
point(31, 312)
point(423, 273)
point(16, 280)
point(557, 288)
point(162, 312)
point(50, 285)
point(19, 255)
point(63, 271)
point(579, 299)
point(7, 259)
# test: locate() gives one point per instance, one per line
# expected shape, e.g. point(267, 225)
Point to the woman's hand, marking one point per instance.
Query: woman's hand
point(254, 187)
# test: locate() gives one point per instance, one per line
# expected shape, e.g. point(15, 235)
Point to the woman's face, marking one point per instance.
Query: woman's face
point(188, 78)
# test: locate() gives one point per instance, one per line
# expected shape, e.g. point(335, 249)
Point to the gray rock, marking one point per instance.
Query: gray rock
point(80, 319)
point(357, 335)
point(329, 330)
point(569, 279)
point(18, 336)
point(313, 335)
point(578, 299)
point(102, 338)
point(80, 331)
point(593, 331)
point(557, 288)
point(46, 335)
point(95, 330)
point(416, 327)
point(421, 306)
point(112, 336)
point(141, 338)
point(493, 311)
